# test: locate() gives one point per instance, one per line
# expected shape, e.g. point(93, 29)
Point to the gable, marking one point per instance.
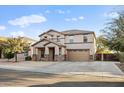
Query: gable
point(51, 45)
point(40, 43)
point(51, 33)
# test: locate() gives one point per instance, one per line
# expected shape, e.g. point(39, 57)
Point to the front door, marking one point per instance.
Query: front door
point(51, 54)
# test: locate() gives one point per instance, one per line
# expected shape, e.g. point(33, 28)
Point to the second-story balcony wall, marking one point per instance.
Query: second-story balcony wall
point(58, 40)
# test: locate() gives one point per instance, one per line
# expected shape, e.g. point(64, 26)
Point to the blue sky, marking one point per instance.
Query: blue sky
point(33, 20)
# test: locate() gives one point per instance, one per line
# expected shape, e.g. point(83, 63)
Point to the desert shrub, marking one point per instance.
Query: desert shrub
point(28, 58)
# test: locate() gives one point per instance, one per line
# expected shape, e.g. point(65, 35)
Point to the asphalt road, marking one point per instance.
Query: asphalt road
point(83, 84)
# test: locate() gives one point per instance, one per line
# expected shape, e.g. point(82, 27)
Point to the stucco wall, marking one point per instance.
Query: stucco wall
point(82, 46)
point(41, 44)
point(79, 38)
point(55, 34)
point(79, 43)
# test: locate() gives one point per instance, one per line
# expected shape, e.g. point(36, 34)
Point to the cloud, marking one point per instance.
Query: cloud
point(27, 20)
point(17, 33)
point(74, 18)
point(58, 11)
point(47, 11)
point(2, 27)
point(67, 19)
point(111, 15)
point(81, 17)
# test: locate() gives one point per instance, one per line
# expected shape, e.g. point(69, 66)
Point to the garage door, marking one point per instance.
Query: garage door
point(78, 55)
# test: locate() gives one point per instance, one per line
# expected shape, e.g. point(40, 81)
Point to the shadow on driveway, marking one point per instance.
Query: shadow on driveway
point(83, 84)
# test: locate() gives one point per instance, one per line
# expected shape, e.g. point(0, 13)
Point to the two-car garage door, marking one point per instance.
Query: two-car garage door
point(78, 55)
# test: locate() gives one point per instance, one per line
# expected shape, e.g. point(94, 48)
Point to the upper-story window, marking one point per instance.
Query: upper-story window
point(71, 39)
point(45, 36)
point(85, 39)
point(51, 37)
point(58, 39)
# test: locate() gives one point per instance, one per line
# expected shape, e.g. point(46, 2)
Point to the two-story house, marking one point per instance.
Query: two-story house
point(70, 45)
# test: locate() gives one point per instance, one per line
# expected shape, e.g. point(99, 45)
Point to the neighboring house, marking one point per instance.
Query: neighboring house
point(70, 45)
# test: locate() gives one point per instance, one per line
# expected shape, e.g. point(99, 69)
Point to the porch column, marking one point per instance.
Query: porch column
point(36, 51)
point(63, 51)
point(56, 57)
point(56, 50)
point(46, 51)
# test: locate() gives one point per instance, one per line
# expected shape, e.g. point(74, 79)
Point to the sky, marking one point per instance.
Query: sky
point(33, 20)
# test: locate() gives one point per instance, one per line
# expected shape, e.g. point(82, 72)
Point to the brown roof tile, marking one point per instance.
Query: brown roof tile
point(73, 32)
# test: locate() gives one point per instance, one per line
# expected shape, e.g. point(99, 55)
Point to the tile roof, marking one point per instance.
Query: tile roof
point(73, 32)
point(49, 41)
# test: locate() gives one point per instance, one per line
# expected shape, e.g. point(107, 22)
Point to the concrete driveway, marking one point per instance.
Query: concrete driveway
point(91, 68)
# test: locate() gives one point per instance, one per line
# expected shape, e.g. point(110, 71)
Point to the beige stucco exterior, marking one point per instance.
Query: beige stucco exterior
point(79, 43)
point(61, 43)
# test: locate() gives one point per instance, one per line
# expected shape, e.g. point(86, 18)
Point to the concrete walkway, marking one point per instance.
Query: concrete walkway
point(91, 68)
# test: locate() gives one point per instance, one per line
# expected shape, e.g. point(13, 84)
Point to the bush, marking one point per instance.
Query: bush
point(9, 55)
point(121, 57)
point(28, 58)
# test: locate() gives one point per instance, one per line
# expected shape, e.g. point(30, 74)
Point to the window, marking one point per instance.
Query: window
point(45, 36)
point(71, 39)
point(42, 53)
point(51, 37)
point(58, 39)
point(85, 39)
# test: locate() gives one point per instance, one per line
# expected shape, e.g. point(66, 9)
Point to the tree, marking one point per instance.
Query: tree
point(9, 55)
point(101, 44)
point(114, 32)
point(16, 45)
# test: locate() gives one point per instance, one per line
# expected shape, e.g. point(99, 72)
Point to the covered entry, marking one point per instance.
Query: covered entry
point(45, 50)
point(78, 55)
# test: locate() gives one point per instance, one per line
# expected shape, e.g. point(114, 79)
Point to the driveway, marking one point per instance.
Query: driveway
point(88, 68)
point(16, 78)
